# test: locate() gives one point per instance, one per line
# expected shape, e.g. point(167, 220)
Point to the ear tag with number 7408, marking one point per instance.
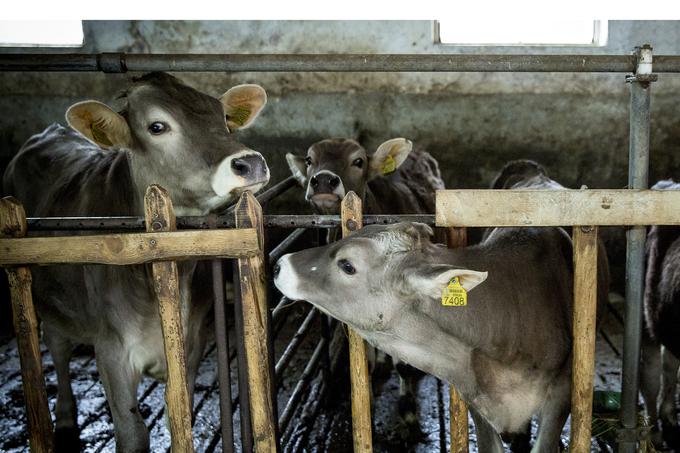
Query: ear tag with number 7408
point(454, 295)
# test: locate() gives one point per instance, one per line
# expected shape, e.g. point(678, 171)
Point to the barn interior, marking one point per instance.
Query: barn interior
point(575, 124)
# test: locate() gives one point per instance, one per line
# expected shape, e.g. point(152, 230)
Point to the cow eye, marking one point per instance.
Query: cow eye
point(308, 161)
point(346, 267)
point(158, 128)
point(358, 162)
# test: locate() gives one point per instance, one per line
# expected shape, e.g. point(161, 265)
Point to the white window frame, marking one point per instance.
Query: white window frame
point(41, 33)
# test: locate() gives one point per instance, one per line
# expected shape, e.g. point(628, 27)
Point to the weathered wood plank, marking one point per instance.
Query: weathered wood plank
point(352, 220)
point(255, 330)
point(41, 439)
point(458, 421)
point(485, 208)
point(585, 310)
point(159, 216)
point(133, 248)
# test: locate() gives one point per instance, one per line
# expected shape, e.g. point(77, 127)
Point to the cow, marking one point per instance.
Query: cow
point(396, 179)
point(661, 342)
point(508, 351)
point(167, 133)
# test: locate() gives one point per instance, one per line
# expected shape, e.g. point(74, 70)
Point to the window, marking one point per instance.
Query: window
point(39, 33)
point(521, 32)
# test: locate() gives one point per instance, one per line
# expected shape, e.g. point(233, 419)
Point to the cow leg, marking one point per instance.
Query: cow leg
point(650, 383)
point(553, 415)
point(488, 440)
point(66, 434)
point(667, 410)
point(120, 383)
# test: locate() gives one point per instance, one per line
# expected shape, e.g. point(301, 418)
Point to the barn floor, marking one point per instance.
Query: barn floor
point(313, 429)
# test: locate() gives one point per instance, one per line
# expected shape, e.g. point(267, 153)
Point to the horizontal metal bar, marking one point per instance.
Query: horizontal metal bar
point(524, 208)
point(126, 249)
point(121, 62)
point(199, 222)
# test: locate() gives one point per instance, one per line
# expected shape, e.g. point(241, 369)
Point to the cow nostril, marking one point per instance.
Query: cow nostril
point(334, 182)
point(240, 167)
point(276, 270)
point(314, 182)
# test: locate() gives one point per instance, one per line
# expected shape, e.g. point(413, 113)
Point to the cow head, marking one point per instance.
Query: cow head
point(181, 139)
point(371, 277)
point(334, 167)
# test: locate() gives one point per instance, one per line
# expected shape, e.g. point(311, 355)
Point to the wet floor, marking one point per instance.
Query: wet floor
point(322, 422)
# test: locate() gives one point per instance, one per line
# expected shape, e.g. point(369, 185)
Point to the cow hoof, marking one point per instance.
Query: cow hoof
point(67, 440)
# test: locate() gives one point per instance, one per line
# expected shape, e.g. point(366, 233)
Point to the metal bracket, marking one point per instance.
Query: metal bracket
point(637, 434)
point(643, 66)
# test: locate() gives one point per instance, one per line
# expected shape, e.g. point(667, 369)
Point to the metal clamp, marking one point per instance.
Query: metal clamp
point(643, 66)
point(112, 62)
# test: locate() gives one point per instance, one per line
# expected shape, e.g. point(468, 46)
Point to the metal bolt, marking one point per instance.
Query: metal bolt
point(156, 225)
point(152, 242)
point(587, 229)
point(351, 225)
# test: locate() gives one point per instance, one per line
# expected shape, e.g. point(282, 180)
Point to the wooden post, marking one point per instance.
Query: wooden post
point(255, 320)
point(159, 216)
point(585, 311)
point(40, 436)
point(458, 412)
point(352, 220)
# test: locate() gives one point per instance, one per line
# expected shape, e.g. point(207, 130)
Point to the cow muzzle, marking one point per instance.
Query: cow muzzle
point(246, 170)
point(325, 190)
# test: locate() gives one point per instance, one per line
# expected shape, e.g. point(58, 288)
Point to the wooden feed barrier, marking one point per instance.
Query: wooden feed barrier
point(162, 246)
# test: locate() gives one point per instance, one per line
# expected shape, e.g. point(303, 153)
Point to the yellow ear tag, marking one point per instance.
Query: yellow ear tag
point(389, 165)
point(454, 295)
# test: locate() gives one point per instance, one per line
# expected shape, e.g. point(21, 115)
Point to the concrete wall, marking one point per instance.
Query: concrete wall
point(575, 124)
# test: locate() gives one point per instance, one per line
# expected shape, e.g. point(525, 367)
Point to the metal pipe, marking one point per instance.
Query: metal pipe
point(222, 340)
point(127, 223)
point(268, 195)
point(307, 374)
point(284, 245)
point(638, 168)
point(121, 62)
point(244, 398)
point(295, 343)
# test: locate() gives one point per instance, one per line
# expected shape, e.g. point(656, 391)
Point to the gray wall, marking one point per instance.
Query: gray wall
point(575, 124)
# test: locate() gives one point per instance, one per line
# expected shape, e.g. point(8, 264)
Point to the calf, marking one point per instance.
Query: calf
point(169, 134)
point(395, 179)
point(508, 352)
point(661, 342)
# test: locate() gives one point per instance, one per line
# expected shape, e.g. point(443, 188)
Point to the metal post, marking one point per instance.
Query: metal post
point(638, 167)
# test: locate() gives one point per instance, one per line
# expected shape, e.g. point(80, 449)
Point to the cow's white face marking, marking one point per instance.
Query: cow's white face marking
point(224, 181)
point(287, 280)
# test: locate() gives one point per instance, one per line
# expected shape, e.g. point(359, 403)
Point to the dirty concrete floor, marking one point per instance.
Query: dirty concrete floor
point(321, 422)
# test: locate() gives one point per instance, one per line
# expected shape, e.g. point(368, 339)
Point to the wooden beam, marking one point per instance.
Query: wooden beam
point(159, 216)
point(488, 208)
point(133, 248)
point(255, 328)
point(585, 311)
point(458, 411)
point(352, 220)
point(40, 436)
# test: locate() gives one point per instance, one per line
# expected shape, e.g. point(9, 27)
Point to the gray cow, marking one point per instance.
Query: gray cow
point(395, 179)
point(169, 134)
point(508, 352)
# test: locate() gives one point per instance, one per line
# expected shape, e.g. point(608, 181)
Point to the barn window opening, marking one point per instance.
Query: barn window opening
point(521, 32)
point(41, 33)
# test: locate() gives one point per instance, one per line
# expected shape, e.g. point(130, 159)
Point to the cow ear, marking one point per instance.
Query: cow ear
point(388, 157)
point(99, 123)
point(242, 104)
point(298, 167)
point(436, 277)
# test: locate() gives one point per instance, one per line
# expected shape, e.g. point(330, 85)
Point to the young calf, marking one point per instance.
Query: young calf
point(508, 351)
point(661, 342)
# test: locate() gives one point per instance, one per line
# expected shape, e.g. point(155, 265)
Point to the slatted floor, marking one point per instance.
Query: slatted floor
point(322, 424)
